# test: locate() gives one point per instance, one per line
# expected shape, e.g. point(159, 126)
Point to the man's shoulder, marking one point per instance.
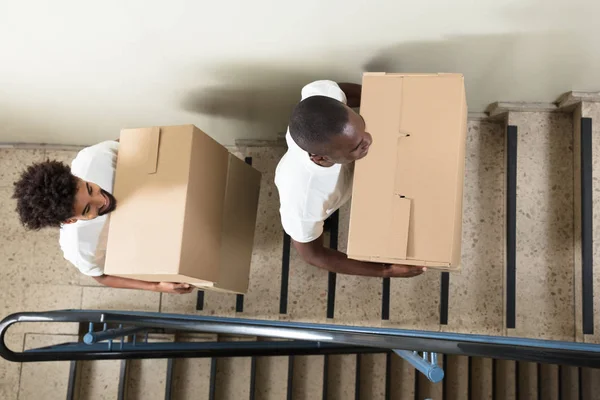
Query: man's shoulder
point(71, 235)
point(104, 150)
point(291, 172)
point(97, 164)
point(326, 88)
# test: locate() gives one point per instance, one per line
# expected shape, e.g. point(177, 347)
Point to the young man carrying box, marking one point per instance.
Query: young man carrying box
point(77, 200)
point(314, 178)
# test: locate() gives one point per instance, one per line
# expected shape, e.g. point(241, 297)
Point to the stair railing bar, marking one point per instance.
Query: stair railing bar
point(72, 384)
point(169, 380)
point(213, 379)
point(357, 377)
point(534, 350)
point(290, 382)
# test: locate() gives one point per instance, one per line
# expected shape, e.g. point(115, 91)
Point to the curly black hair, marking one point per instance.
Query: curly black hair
point(45, 195)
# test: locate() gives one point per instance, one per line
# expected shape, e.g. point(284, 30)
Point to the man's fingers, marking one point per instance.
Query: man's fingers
point(183, 288)
point(407, 271)
point(411, 269)
point(179, 286)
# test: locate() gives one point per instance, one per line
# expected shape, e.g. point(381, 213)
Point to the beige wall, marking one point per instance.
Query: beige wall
point(75, 72)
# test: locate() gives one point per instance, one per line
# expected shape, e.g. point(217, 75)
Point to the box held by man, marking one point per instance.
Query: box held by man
point(187, 210)
point(407, 193)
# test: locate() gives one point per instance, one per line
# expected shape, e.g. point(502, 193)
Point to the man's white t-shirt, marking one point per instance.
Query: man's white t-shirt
point(79, 241)
point(309, 193)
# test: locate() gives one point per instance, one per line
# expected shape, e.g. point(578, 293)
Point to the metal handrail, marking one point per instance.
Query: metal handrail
point(511, 348)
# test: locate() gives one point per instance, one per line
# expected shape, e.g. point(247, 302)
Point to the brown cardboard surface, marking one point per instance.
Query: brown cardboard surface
point(239, 222)
point(186, 210)
point(407, 194)
point(203, 218)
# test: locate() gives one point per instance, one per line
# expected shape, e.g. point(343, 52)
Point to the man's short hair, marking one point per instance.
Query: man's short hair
point(315, 120)
point(45, 195)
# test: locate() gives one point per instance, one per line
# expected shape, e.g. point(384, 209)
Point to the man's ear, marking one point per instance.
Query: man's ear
point(316, 158)
point(70, 221)
point(323, 161)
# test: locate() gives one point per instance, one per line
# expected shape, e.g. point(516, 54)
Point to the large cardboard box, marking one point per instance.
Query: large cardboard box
point(186, 210)
point(407, 194)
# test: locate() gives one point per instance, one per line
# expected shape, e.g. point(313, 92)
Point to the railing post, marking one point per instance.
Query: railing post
point(427, 367)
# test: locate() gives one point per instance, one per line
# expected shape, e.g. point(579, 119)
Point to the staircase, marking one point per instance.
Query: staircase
point(527, 272)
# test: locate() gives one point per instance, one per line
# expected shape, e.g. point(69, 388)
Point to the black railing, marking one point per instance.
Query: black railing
point(302, 338)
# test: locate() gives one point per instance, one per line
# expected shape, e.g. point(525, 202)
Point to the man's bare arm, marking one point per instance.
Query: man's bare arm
point(320, 256)
point(126, 283)
point(352, 92)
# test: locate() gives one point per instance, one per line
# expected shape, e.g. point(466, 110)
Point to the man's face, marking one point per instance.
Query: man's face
point(351, 145)
point(91, 201)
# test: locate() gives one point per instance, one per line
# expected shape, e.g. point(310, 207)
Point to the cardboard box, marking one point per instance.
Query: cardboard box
point(186, 210)
point(407, 194)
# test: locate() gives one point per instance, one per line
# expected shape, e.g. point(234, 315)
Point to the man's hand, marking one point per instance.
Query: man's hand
point(177, 288)
point(127, 283)
point(403, 271)
point(318, 255)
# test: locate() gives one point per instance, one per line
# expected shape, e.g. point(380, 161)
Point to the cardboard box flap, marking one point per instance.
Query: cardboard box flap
point(153, 148)
point(398, 239)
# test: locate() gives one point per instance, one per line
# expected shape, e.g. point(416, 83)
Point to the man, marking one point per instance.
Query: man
point(314, 178)
point(77, 200)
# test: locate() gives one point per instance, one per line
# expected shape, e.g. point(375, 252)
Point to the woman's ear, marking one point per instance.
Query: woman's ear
point(70, 221)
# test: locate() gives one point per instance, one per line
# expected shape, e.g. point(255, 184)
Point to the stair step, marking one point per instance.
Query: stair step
point(482, 378)
point(307, 381)
point(402, 379)
point(569, 383)
point(373, 370)
point(476, 292)
point(262, 298)
point(271, 380)
point(506, 380)
point(548, 382)
point(456, 379)
point(544, 226)
point(44, 380)
point(590, 383)
point(11, 371)
point(588, 110)
point(191, 376)
point(527, 380)
point(146, 379)
point(99, 380)
point(341, 377)
point(307, 290)
point(233, 375)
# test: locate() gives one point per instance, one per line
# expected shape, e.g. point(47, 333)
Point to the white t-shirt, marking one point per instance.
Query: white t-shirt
point(79, 241)
point(309, 193)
